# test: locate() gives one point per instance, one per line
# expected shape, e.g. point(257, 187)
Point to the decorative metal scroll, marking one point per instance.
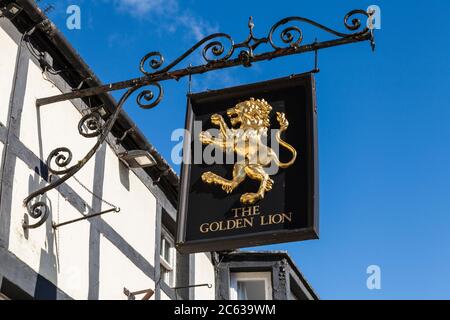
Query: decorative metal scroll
point(218, 51)
point(59, 160)
point(214, 47)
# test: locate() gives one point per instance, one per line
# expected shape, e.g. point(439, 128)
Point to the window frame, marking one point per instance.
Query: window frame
point(242, 276)
point(170, 266)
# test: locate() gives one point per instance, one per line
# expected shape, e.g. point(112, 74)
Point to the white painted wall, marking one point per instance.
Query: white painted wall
point(204, 273)
point(8, 53)
point(117, 273)
point(164, 296)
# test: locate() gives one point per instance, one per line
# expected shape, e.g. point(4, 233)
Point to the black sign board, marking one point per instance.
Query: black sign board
point(227, 202)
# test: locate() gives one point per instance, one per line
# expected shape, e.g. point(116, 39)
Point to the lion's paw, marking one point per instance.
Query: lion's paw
point(228, 187)
point(205, 137)
point(269, 185)
point(250, 198)
point(208, 177)
point(216, 119)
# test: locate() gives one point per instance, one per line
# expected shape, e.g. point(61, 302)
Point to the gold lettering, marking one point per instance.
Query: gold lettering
point(264, 221)
point(214, 226)
point(277, 218)
point(247, 211)
point(287, 216)
point(231, 224)
point(248, 222)
point(239, 223)
point(236, 212)
point(204, 228)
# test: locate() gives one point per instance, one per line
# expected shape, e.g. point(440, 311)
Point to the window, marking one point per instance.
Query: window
point(251, 286)
point(167, 254)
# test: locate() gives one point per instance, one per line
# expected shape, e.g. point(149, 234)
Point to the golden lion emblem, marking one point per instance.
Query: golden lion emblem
point(253, 118)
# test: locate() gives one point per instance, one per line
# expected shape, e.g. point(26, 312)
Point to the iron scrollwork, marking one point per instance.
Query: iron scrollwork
point(220, 47)
point(147, 99)
point(218, 51)
point(62, 157)
point(90, 125)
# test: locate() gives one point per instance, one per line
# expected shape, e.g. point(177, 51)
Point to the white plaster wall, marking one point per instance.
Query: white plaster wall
point(48, 127)
point(164, 296)
point(137, 217)
point(8, 53)
point(63, 257)
point(117, 273)
point(204, 273)
point(37, 247)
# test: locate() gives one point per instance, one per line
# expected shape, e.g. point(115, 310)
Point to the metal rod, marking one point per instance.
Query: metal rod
point(194, 286)
point(55, 226)
point(177, 74)
point(141, 292)
point(132, 295)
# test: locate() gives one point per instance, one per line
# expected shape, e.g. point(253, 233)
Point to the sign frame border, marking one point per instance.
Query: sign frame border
point(310, 232)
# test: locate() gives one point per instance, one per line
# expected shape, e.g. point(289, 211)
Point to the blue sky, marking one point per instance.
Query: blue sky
point(384, 134)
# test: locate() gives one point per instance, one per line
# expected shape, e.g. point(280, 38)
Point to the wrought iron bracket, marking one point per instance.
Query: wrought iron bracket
point(218, 51)
point(208, 285)
point(86, 217)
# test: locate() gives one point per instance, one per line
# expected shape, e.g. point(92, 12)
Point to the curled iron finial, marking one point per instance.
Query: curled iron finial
point(62, 158)
point(147, 99)
point(251, 25)
point(38, 211)
point(215, 51)
point(356, 23)
point(90, 126)
point(154, 59)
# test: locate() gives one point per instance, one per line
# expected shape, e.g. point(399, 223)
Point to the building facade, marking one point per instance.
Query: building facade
point(121, 255)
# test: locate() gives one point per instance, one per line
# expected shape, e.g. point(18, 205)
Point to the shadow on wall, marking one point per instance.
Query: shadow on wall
point(46, 281)
point(124, 173)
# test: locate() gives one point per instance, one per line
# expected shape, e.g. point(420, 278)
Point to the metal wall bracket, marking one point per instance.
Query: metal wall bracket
point(218, 51)
point(90, 216)
point(193, 286)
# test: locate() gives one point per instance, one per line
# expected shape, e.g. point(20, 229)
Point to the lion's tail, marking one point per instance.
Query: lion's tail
point(281, 117)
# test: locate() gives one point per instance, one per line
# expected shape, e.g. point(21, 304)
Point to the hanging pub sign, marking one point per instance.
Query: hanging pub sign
point(249, 174)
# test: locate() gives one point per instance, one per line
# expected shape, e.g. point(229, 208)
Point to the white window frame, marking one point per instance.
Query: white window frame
point(236, 277)
point(168, 265)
